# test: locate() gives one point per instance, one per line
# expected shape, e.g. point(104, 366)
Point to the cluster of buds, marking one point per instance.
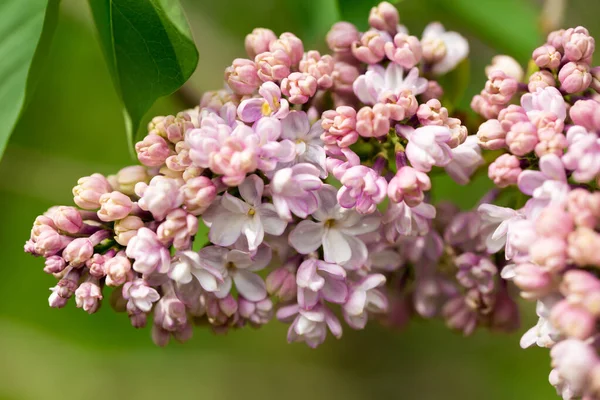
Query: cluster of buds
point(251, 163)
point(551, 157)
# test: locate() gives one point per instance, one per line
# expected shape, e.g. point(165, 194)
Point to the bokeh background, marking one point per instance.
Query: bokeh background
point(73, 128)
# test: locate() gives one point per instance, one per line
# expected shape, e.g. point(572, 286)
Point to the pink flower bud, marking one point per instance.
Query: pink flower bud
point(533, 281)
point(178, 229)
point(522, 138)
point(432, 113)
point(373, 122)
point(64, 289)
point(320, 67)
point(595, 78)
point(505, 170)
point(299, 87)
point(408, 185)
point(583, 243)
point(78, 251)
point(572, 320)
point(344, 75)
point(384, 17)
point(433, 91)
point(586, 113)
point(172, 128)
point(404, 50)
point(152, 151)
point(540, 79)
point(181, 161)
point(499, 88)
point(511, 115)
point(273, 65)
point(550, 253)
point(459, 316)
point(88, 296)
point(291, 45)
point(370, 48)
point(458, 132)
point(582, 287)
point(114, 206)
point(256, 313)
point(88, 191)
point(555, 39)
point(198, 194)
point(282, 284)
point(259, 41)
point(506, 64)
point(584, 207)
point(551, 143)
point(434, 49)
point(483, 107)
point(49, 242)
point(339, 126)
point(554, 221)
point(128, 177)
point(117, 270)
point(341, 36)
point(401, 105)
point(242, 76)
point(54, 265)
point(127, 228)
point(491, 136)
point(578, 44)
point(160, 196)
point(547, 56)
point(96, 264)
point(67, 219)
point(574, 77)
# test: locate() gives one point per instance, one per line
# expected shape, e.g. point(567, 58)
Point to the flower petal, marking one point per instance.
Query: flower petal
point(250, 285)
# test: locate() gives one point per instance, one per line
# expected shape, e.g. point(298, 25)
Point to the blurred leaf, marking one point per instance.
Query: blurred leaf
point(149, 51)
point(26, 32)
point(455, 84)
point(357, 11)
point(510, 26)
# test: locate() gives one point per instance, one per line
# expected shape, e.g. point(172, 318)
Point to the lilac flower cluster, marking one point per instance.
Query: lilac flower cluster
point(551, 157)
point(255, 163)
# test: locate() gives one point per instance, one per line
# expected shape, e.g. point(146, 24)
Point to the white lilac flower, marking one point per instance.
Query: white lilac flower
point(231, 217)
point(335, 229)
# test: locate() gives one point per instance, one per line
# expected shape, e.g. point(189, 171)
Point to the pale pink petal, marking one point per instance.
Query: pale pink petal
point(272, 223)
point(250, 285)
point(335, 247)
point(307, 236)
point(252, 189)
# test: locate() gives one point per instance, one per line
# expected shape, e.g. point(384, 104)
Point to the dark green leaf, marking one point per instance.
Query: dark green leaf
point(455, 84)
point(26, 32)
point(149, 51)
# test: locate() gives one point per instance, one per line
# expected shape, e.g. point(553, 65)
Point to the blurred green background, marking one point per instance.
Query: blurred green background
point(73, 128)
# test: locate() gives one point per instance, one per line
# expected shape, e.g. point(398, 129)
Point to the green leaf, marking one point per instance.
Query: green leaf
point(149, 51)
point(26, 33)
point(455, 84)
point(510, 26)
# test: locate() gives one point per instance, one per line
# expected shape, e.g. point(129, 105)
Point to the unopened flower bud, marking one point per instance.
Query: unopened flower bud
point(583, 243)
point(341, 36)
point(127, 228)
point(128, 177)
point(67, 219)
point(344, 75)
point(259, 41)
point(242, 76)
point(574, 77)
point(491, 136)
point(434, 49)
point(339, 126)
point(152, 151)
point(554, 221)
point(117, 270)
point(54, 265)
point(320, 67)
point(299, 87)
point(404, 50)
point(578, 44)
point(540, 79)
point(373, 122)
point(547, 56)
point(522, 138)
point(533, 281)
point(511, 115)
point(408, 185)
point(273, 65)
point(282, 284)
point(370, 48)
point(584, 207)
point(88, 191)
point(78, 251)
point(505, 170)
point(433, 91)
point(291, 45)
point(198, 194)
point(506, 64)
point(572, 320)
point(178, 228)
point(586, 113)
point(88, 296)
point(500, 87)
point(384, 17)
